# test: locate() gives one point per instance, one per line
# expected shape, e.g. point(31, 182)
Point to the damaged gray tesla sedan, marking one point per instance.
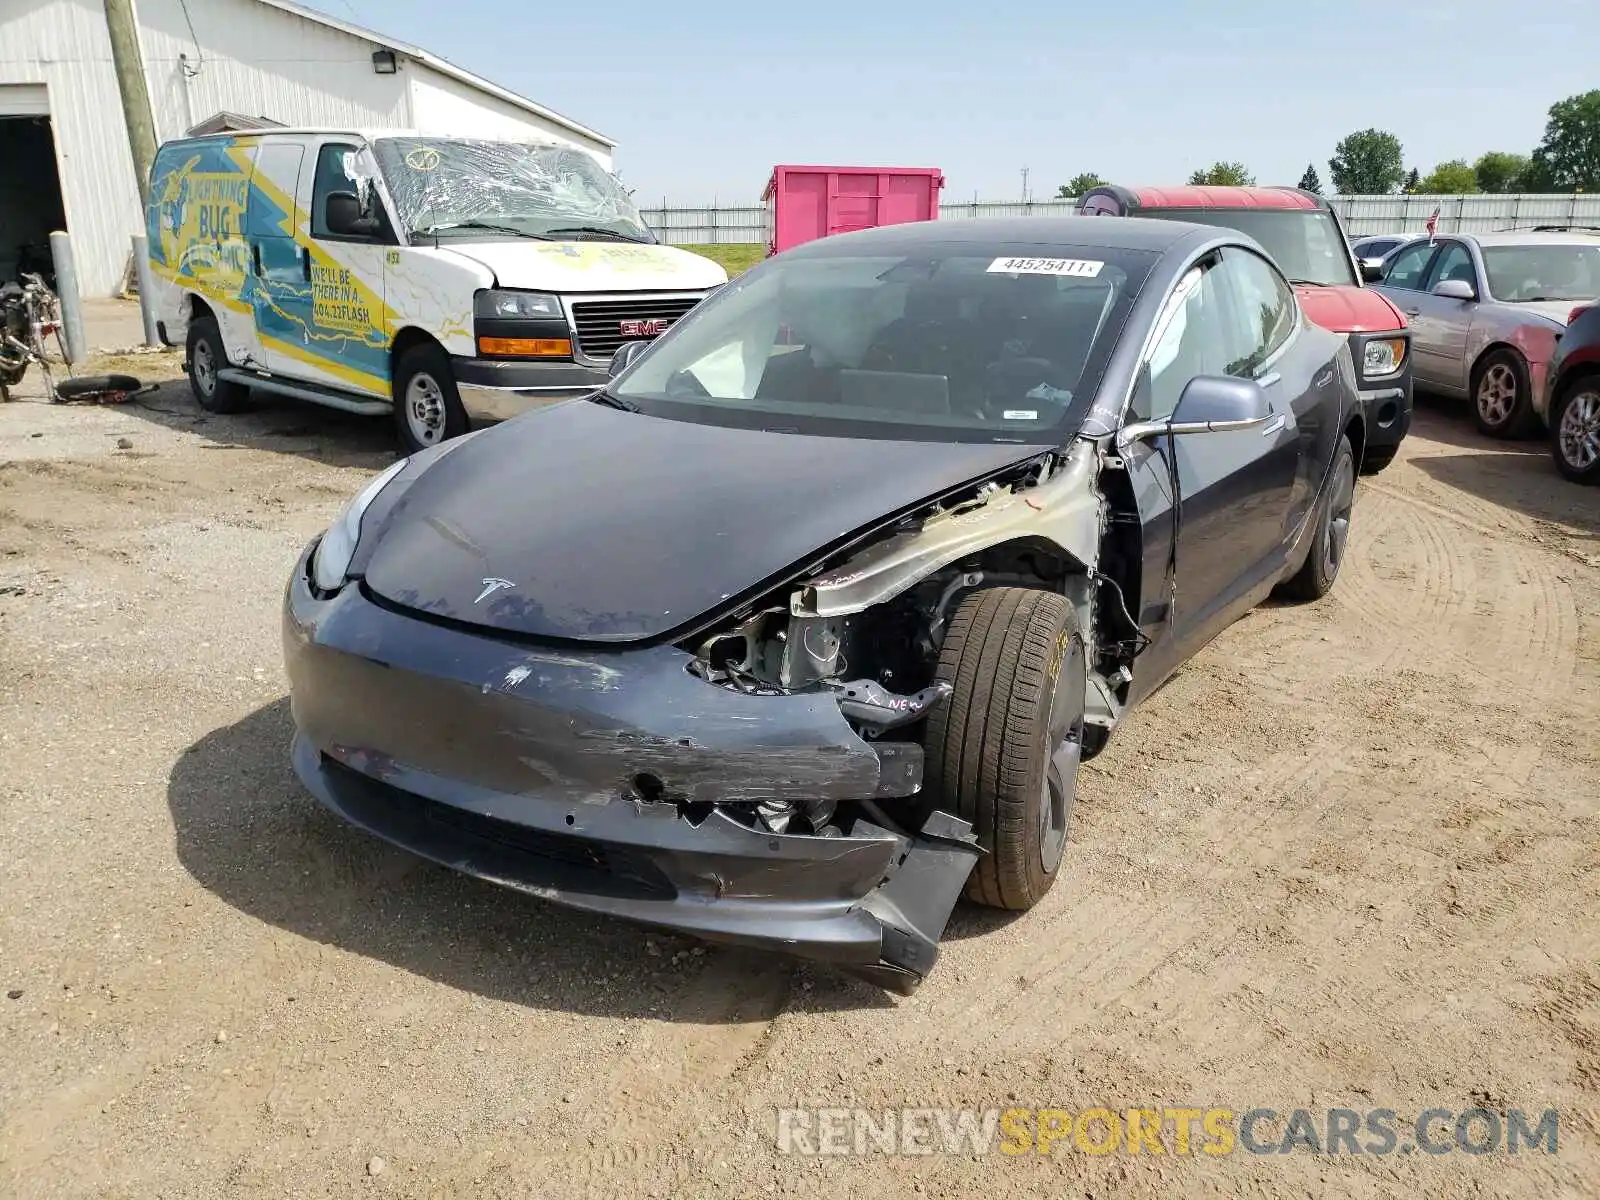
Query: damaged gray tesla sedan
point(803, 624)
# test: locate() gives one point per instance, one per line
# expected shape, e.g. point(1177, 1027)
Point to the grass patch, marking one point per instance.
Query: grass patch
point(734, 258)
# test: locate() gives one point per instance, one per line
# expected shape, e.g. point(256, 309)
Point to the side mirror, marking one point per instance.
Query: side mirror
point(1371, 269)
point(624, 357)
point(1455, 289)
point(342, 215)
point(1209, 404)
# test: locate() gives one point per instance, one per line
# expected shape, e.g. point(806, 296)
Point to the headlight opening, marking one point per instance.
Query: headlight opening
point(330, 561)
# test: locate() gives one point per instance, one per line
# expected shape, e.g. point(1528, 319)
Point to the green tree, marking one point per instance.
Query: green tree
point(1224, 174)
point(1498, 171)
point(1413, 182)
point(1449, 179)
point(1311, 181)
point(1367, 163)
point(1078, 185)
point(1570, 151)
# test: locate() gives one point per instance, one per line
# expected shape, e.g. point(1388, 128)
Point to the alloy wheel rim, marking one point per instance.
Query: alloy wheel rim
point(1065, 726)
point(204, 368)
point(1579, 432)
point(1497, 394)
point(425, 409)
point(1336, 534)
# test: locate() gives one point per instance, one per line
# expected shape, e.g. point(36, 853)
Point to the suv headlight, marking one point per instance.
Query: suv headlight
point(331, 559)
point(1383, 356)
point(504, 304)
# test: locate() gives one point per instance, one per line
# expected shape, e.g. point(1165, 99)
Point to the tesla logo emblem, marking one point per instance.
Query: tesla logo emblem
point(491, 586)
point(643, 329)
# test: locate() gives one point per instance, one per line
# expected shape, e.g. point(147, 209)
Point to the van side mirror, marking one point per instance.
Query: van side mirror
point(1371, 269)
point(624, 357)
point(342, 215)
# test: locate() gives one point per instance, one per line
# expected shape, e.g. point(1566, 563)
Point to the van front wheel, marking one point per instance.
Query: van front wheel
point(427, 407)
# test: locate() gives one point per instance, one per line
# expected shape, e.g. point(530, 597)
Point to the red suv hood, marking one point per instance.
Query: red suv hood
point(1350, 309)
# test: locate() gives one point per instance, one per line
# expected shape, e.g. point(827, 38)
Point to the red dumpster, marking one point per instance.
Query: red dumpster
point(804, 203)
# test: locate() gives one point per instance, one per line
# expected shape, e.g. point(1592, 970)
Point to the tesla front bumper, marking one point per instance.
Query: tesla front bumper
point(615, 782)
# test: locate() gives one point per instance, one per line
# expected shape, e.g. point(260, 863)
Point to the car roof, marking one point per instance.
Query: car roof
point(1530, 237)
point(1113, 233)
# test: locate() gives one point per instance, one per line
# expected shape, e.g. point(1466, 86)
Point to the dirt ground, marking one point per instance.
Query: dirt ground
point(1349, 857)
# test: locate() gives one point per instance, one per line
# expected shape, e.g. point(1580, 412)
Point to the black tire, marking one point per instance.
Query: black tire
point(1575, 430)
point(1498, 415)
point(96, 385)
point(429, 412)
point(1330, 533)
point(207, 356)
point(1374, 461)
point(1003, 751)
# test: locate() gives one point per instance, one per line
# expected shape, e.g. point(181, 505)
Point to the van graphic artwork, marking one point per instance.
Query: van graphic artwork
point(447, 281)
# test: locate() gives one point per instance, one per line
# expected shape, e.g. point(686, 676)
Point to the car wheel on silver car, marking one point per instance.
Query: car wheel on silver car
point(1502, 403)
point(1003, 753)
point(1575, 430)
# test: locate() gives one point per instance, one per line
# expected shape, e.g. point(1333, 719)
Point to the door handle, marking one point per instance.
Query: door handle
point(255, 255)
point(305, 261)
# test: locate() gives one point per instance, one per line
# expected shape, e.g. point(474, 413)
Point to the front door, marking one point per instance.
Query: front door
point(1404, 284)
point(1448, 321)
point(1214, 506)
point(333, 327)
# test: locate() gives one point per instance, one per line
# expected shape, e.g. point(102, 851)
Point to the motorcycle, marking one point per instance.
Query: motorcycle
point(29, 314)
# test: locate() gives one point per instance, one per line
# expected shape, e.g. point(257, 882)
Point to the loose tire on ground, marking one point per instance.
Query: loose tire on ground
point(96, 385)
point(1500, 413)
point(1575, 430)
point(427, 406)
point(1003, 751)
point(1331, 532)
point(207, 356)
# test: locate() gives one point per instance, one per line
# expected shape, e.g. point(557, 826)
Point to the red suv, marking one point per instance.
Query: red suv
point(1302, 233)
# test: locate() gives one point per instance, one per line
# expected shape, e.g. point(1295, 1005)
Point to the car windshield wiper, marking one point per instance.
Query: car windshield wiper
point(597, 231)
point(488, 226)
point(610, 401)
point(1307, 283)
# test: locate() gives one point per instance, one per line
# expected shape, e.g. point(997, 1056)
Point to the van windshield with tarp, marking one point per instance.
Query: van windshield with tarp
point(460, 188)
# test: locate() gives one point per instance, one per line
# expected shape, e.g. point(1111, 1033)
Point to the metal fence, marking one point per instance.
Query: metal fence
point(746, 224)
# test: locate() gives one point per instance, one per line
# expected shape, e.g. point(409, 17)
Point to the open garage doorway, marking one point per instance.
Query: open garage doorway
point(30, 187)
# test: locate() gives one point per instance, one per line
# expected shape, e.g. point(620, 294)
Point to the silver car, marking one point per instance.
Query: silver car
point(1485, 311)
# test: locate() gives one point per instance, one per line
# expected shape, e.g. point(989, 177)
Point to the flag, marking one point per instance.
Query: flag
point(1433, 224)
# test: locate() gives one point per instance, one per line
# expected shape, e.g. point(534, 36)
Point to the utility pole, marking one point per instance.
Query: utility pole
point(1024, 185)
point(129, 63)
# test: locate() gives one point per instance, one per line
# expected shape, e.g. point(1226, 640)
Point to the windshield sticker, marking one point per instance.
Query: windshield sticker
point(1080, 268)
point(423, 158)
point(1020, 414)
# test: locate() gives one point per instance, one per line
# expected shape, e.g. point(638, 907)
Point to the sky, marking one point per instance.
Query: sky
point(705, 97)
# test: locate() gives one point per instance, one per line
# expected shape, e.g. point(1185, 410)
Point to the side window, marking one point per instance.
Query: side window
point(1406, 269)
point(1263, 313)
point(1454, 262)
point(276, 179)
point(1190, 345)
point(340, 169)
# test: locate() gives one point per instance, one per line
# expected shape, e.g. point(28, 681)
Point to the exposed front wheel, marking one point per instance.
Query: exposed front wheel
point(1330, 534)
point(1003, 751)
point(1502, 401)
point(1575, 431)
point(427, 406)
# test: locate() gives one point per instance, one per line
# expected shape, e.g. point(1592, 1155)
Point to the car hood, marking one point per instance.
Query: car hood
point(1349, 309)
point(592, 266)
point(579, 522)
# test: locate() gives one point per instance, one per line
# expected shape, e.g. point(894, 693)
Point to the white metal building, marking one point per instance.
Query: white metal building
point(64, 155)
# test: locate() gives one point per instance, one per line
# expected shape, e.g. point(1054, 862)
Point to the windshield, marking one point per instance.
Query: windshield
point(445, 186)
point(1551, 272)
point(953, 343)
point(1304, 243)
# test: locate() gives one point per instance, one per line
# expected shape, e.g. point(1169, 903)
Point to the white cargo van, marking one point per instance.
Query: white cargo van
point(446, 280)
